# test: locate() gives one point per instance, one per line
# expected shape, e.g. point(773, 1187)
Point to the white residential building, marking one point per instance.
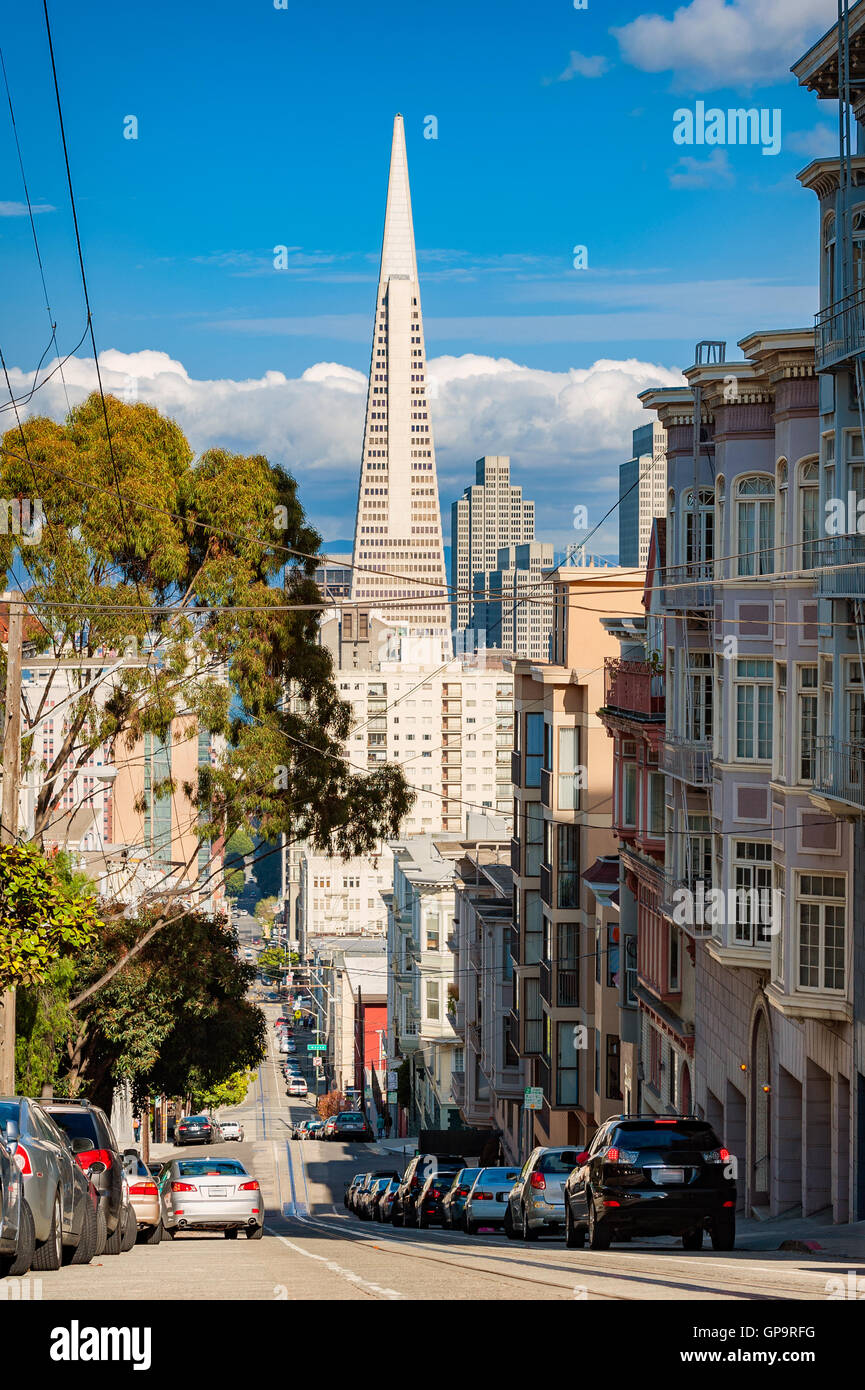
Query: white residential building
point(489, 515)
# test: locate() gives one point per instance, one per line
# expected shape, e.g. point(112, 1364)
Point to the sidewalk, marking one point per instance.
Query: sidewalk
point(804, 1235)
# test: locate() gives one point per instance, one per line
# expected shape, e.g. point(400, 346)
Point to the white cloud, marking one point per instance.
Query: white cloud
point(821, 142)
point(566, 432)
point(581, 65)
point(713, 43)
point(691, 172)
point(13, 209)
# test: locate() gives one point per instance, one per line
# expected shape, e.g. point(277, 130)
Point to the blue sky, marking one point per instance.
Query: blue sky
point(260, 127)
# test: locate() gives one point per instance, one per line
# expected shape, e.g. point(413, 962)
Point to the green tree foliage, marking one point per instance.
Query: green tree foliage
point(40, 920)
point(230, 1092)
point(237, 848)
point(223, 533)
point(264, 910)
point(273, 963)
point(175, 1018)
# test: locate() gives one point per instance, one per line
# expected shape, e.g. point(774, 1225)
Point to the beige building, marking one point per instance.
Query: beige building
point(562, 775)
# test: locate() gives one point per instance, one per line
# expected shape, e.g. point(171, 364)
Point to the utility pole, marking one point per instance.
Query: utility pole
point(9, 816)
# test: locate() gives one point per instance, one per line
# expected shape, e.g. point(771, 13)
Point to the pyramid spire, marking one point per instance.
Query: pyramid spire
point(398, 550)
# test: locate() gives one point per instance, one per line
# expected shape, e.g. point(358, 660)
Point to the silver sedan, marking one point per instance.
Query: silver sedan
point(57, 1190)
point(210, 1194)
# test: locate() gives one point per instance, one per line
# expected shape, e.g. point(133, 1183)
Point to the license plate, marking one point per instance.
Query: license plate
point(670, 1175)
point(217, 1191)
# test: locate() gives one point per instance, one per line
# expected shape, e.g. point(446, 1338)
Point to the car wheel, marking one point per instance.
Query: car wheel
point(114, 1243)
point(49, 1254)
point(152, 1235)
point(423, 1222)
point(395, 1218)
point(575, 1236)
point(472, 1228)
point(230, 1235)
point(101, 1233)
point(86, 1247)
point(510, 1229)
point(724, 1232)
point(254, 1232)
point(528, 1233)
point(130, 1231)
point(599, 1237)
point(22, 1260)
point(693, 1240)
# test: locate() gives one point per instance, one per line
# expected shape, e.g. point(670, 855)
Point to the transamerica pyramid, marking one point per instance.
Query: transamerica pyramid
point(398, 552)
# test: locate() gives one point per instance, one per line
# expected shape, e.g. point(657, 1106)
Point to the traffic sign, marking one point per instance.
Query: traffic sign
point(316, 1047)
point(534, 1098)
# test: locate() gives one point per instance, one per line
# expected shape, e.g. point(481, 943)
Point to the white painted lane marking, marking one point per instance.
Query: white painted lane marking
point(348, 1274)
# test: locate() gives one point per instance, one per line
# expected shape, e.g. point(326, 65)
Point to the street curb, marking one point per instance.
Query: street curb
point(803, 1247)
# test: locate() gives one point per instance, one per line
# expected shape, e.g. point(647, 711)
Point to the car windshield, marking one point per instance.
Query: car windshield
point(215, 1168)
point(558, 1162)
point(684, 1134)
point(498, 1177)
point(78, 1124)
point(465, 1177)
point(351, 1115)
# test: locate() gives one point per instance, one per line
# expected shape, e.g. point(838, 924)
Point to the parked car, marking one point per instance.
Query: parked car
point(59, 1193)
point(350, 1125)
point(327, 1128)
point(385, 1201)
point(144, 1199)
point(314, 1129)
point(350, 1187)
point(92, 1141)
point(17, 1234)
point(487, 1201)
point(454, 1199)
point(194, 1129)
point(363, 1188)
point(652, 1175)
point(422, 1166)
point(296, 1086)
point(210, 1194)
point(369, 1197)
point(231, 1129)
point(428, 1206)
point(537, 1199)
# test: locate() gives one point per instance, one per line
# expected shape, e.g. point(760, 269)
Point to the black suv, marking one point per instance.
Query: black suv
point(652, 1175)
point(92, 1141)
point(353, 1125)
point(404, 1211)
point(194, 1129)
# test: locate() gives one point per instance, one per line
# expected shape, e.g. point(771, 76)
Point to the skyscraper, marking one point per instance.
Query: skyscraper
point(398, 551)
point(642, 493)
point(488, 516)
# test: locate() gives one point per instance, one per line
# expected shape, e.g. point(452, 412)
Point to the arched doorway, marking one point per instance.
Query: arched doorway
point(761, 1129)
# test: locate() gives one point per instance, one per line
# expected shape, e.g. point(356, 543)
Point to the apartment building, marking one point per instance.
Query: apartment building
point(421, 984)
point(343, 897)
point(746, 819)
point(513, 604)
point(562, 776)
point(489, 1088)
point(490, 515)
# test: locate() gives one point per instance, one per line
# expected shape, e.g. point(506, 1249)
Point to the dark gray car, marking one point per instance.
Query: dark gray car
point(57, 1190)
point(16, 1220)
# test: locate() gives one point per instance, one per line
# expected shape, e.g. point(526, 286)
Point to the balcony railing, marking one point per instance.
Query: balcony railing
point(534, 1038)
point(546, 788)
point(545, 976)
point(515, 856)
point(633, 687)
point(514, 935)
point(567, 988)
point(515, 767)
point(688, 759)
point(841, 771)
point(687, 586)
point(546, 885)
point(841, 572)
point(840, 330)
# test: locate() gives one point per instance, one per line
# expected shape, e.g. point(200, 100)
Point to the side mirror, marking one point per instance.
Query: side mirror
point(82, 1145)
point(582, 1158)
point(12, 1133)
